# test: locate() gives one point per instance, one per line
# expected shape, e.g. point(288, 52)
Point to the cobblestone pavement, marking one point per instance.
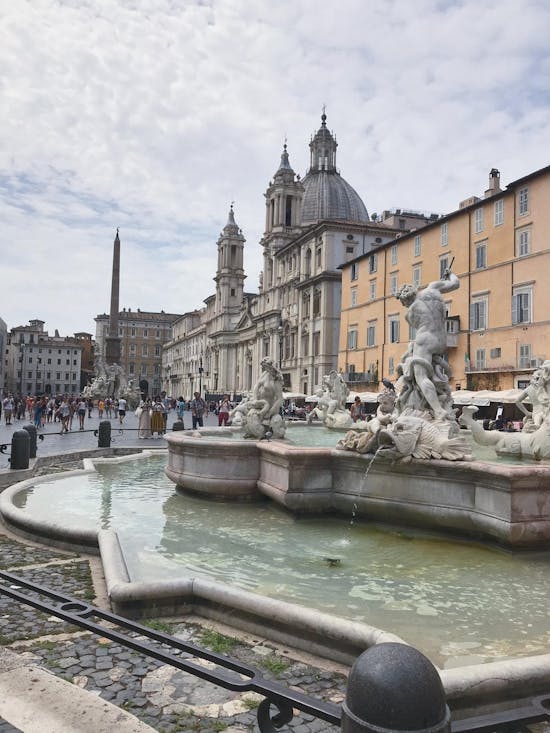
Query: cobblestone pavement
point(165, 698)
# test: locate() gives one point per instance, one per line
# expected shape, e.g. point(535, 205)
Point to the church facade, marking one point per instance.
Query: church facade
point(313, 225)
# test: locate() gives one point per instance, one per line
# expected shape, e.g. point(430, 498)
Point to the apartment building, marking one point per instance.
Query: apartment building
point(497, 321)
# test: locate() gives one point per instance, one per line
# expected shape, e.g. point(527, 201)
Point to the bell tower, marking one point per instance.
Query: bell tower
point(230, 275)
point(283, 201)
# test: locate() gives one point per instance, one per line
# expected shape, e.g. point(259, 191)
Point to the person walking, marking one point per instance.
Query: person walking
point(8, 409)
point(81, 413)
point(198, 408)
point(121, 409)
point(224, 409)
point(65, 415)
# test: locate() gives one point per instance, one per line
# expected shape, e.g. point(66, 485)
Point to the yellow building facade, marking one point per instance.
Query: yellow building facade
point(498, 324)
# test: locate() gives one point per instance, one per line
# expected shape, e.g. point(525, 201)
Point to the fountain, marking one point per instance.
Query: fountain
point(424, 475)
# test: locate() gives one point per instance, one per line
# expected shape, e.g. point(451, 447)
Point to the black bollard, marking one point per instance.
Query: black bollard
point(393, 687)
point(31, 430)
point(20, 449)
point(178, 425)
point(104, 434)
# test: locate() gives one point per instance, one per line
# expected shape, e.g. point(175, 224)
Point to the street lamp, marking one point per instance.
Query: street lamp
point(280, 331)
point(200, 374)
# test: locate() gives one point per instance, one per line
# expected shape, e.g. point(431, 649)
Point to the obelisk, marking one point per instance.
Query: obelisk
point(112, 342)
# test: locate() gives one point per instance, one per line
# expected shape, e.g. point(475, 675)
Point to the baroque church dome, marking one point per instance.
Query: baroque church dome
point(326, 194)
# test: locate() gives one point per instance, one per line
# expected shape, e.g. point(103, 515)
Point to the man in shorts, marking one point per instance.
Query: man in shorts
point(121, 409)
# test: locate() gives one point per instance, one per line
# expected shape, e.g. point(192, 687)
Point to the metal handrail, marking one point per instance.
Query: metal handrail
point(81, 614)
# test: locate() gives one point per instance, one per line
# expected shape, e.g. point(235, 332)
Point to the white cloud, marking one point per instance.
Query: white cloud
point(154, 115)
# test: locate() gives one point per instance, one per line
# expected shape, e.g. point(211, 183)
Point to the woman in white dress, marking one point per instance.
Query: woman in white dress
point(144, 424)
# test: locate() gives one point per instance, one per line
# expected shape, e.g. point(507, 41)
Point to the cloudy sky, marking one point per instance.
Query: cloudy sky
point(153, 115)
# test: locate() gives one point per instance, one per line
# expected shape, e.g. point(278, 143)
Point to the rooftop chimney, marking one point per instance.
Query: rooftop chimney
point(494, 183)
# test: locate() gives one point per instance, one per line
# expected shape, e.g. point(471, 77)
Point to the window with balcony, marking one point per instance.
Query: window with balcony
point(480, 361)
point(524, 356)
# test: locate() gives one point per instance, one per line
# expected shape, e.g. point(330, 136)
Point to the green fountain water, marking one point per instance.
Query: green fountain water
point(459, 602)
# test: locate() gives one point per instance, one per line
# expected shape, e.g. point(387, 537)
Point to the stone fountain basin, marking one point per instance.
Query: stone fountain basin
point(509, 504)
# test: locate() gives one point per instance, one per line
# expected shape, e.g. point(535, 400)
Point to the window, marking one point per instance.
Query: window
point(417, 275)
point(49, 361)
point(58, 376)
point(394, 254)
point(393, 284)
point(393, 329)
point(132, 332)
point(372, 289)
point(157, 350)
point(496, 353)
point(499, 212)
point(132, 368)
point(144, 370)
point(417, 245)
point(478, 226)
point(443, 265)
point(523, 242)
point(145, 333)
point(59, 361)
point(481, 255)
point(372, 263)
point(144, 350)
point(353, 297)
point(444, 234)
point(318, 254)
point(523, 201)
point(352, 338)
point(521, 305)
point(480, 359)
point(132, 348)
point(316, 343)
point(74, 376)
point(30, 359)
point(371, 333)
point(354, 271)
point(524, 356)
point(316, 303)
point(157, 334)
point(478, 314)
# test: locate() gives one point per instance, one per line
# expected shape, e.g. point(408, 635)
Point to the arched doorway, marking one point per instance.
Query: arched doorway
point(144, 388)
